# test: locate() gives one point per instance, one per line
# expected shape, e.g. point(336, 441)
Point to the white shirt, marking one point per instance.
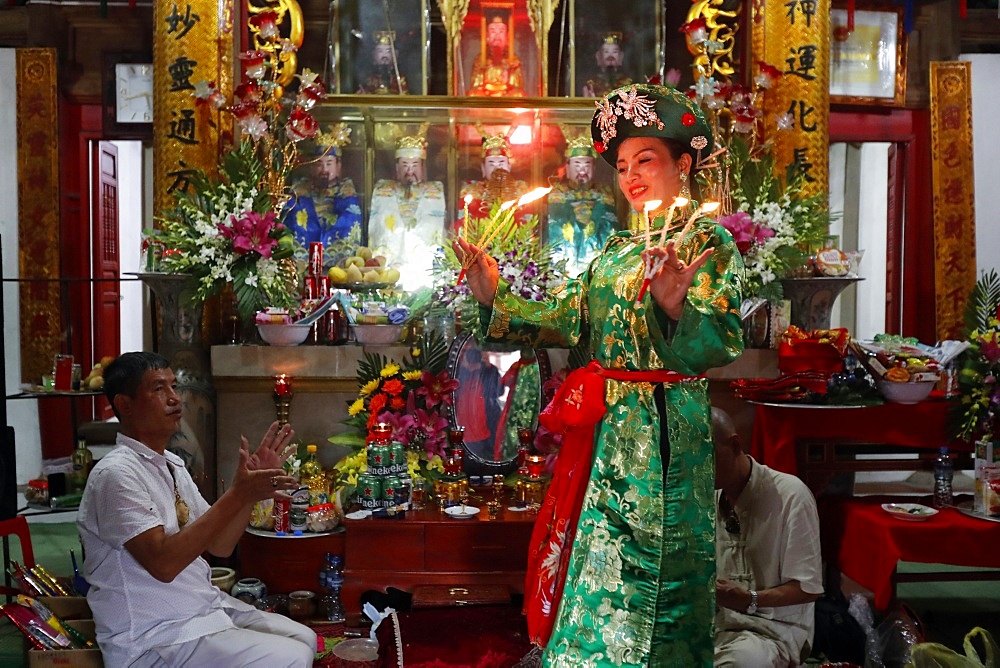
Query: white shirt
point(131, 491)
point(778, 542)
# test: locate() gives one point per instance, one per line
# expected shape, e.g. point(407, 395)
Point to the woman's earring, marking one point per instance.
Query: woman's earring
point(685, 191)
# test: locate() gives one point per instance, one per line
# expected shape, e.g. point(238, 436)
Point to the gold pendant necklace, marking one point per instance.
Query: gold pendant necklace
point(180, 505)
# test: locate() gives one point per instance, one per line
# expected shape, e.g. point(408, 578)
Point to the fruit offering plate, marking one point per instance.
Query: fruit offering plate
point(966, 509)
point(362, 287)
point(268, 533)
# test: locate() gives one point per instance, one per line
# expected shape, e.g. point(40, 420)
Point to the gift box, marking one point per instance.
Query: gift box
point(819, 350)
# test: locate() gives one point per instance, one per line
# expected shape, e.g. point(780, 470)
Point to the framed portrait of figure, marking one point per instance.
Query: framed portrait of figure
point(496, 53)
point(609, 45)
point(381, 47)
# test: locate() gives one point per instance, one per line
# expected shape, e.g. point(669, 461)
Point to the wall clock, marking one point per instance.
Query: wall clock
point(128, 96)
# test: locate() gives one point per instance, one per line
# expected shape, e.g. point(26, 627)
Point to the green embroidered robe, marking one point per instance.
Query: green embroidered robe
point(640, 590)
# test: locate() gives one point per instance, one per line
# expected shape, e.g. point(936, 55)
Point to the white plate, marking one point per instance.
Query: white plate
point(359, 515)
point(912, 512)
point(517, 509)
point(458, 512)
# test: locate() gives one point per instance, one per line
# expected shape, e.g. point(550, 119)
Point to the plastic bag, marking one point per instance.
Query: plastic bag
point(890, 644)
point(935, 655)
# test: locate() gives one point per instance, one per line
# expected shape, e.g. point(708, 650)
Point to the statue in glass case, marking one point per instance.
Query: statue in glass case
point(408, 213)
point(324, 204)
point(384, 78)
point(610, 57)
point(497, 71)
point(581, 210)
point(496, 184)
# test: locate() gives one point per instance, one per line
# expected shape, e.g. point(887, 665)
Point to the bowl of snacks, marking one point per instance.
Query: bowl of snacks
point(290, 334)
point(906, 391)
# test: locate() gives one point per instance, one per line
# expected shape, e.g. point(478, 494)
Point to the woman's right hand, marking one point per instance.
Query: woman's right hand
point(483, 275)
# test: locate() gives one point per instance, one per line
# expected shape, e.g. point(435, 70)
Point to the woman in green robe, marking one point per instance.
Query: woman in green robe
point(640, 577)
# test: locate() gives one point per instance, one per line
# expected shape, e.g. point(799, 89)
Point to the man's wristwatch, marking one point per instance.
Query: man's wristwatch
point(752, 608)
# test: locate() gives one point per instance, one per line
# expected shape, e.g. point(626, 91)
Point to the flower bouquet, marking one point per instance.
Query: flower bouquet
point(414, 397)
point(224, 229)
point(523, 263)
point(774, 224)
point(978, 413)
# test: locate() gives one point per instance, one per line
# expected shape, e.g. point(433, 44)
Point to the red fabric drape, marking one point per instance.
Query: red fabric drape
point(574, 412)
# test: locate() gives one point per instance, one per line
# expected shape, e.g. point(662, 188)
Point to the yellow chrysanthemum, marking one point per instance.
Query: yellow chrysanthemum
point(356, 407)
point(391, 369)
point(412, 375)
point(369, 387)
point(435, 463)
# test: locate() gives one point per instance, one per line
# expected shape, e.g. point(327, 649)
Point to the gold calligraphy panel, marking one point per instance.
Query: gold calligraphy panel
point(795, 37)
point(953, 194)
point(192, 41)
point(38, 210)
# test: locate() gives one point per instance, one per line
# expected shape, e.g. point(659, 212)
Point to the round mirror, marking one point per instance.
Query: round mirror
point(499, 390)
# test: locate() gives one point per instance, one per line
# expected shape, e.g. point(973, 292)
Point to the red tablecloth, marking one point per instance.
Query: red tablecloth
point(776, 428)
point(872, 542)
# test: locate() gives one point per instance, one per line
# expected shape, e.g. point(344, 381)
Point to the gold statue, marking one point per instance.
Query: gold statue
point(497, 71)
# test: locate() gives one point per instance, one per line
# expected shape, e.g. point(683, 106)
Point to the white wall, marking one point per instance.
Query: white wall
point(986, 137)
point(131, 211)
point(22, 415)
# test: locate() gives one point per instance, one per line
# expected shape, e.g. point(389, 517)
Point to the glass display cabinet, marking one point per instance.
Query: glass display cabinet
point(446, 135)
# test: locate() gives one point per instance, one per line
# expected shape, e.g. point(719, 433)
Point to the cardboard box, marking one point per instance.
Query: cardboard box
point(67, 607)
point(77, 658)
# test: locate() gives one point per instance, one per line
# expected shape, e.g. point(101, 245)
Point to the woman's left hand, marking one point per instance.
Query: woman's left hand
point(670, 284)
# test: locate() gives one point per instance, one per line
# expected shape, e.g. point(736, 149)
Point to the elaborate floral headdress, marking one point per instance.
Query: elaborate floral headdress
point(647, 110)
point(495, 144)
point(332, 142)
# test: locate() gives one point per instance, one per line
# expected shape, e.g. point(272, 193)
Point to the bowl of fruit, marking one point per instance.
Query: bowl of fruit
point(363, 272)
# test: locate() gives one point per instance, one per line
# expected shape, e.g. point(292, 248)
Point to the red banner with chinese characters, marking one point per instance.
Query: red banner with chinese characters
point(953, 194)
point(193, 41)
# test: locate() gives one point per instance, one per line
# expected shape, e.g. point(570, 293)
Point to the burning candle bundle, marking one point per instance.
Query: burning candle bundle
point(501, 220)
point(652, 264)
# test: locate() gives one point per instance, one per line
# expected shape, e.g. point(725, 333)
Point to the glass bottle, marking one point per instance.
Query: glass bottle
point(456, 457)
point(83, 460)
point(311, 475)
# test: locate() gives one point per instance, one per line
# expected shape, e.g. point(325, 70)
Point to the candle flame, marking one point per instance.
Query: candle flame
point(681, 201)
point(530, 197)
point(709, 207)
point(468, 200)
point(506, 205)
point(652, 205)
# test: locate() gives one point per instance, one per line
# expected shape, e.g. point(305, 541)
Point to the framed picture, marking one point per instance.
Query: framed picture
point(611, 45)
point(867, 64)
point(382, 48)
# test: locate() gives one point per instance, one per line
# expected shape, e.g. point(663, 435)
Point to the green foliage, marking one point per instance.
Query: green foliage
point(983, 301)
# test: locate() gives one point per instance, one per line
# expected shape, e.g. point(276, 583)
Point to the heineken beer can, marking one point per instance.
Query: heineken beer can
point(369, 490)
point(379, 459)
point(398, 458)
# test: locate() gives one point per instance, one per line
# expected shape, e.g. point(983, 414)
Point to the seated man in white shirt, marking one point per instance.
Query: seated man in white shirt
point(144, 527)
point(767, 555)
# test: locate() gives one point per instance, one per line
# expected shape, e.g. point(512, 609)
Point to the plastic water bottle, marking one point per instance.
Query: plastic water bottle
point(943, 474)
point(331, 579)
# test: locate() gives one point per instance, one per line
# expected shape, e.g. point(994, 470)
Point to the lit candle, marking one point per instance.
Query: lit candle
point(465, 218)
point(707, 207)
point(282, 385)
point(678, 201)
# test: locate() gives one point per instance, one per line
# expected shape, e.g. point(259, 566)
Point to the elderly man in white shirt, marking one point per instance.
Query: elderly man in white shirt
point(144, 526)
point(768, 563)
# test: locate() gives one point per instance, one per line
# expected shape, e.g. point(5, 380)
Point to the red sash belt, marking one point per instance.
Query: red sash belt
point(574, 412)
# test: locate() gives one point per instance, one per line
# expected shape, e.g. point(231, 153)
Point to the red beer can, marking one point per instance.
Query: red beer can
point(324, 286)
point(315, 257)
point(282, 504)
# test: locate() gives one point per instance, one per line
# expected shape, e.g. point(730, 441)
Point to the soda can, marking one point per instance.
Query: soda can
point(279, 511)
point(398, 458)
point(298, 510)
point(379, 459)
point(369, 490)
point(316, 258)
point(324, 286)
point(310, 288)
